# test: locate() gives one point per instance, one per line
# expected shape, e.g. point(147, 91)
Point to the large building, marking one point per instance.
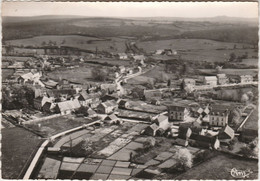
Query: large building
point(246, 79)
point(218, 117)
point(177, 113)
point(222, 79)
point(210, 80)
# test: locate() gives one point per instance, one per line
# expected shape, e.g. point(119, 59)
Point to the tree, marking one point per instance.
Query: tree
point(184, 159)
point(250, 150)
point(244, 98)
point(99, 74)
point(169, 83)
point(235, 116)
point(43, 43)
point(250, 95)
point(232, 57)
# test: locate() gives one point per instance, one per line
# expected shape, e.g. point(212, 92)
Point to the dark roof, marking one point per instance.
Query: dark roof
point(180, 142)
point(220, 112)
point(84, 96)
point(227, 133)
point(201, 138)
point(111, 117)
point(58, 92)
point(108, 97)
point(47, 105)
point(183, 131)
point(122, 102)
point(177, 107)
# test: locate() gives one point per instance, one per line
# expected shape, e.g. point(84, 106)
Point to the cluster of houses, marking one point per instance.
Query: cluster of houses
point(210, 82)
point(209, 127)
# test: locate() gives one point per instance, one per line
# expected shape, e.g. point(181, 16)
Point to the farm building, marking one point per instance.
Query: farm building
point(184, 132)
point(188, 81)
point(50, 84)
point(204, 141)
point(40, 101)
point(246, 79)
point(122, 56)
point(110, 88)
point(122, 69)
point(67, 107)
point(84, 99)
point(151, 130)
point(181, 142)
point(210, 80)
point(159, 52)
point(162, 122)
point(91, 113)
point(155, 102)
point(226, 133)
point(112, 119)
point(48, 107)
point(222, 79)
point(107, 107)
point(123, 104)
point(177, 113)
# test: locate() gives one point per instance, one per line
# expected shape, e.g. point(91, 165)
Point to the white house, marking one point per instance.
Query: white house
point(210, 80)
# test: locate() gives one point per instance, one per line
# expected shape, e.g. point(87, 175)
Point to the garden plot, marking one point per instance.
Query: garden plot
point(49, 169)
point(115, 146)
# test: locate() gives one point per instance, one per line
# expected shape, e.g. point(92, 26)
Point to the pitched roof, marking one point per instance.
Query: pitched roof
point(228, 131)
point(180, 142)
point(110, 103)
point(27, 76)
point(122, 54)
point(91, 111)
point(201, 138)
point(214, 78)
point(69, 105)
point(177, 107)
point(154, 127)
point(161, 118)
point(122, 102)
point(84, 95)
point(221, 75)
point(111, 117)
point(220, 112)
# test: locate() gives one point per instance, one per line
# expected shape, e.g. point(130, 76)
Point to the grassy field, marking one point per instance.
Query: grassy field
point(17, 146)
point(219, 168)
point(213, 55)
point(56, 125)
point(250, 61)
point(187, 44)
point(231, 71)
point(252, 122)
point(82, 42)
point(6, 73)
point(80, 74)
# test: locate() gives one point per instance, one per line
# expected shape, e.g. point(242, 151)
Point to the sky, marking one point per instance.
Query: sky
point(133, 9)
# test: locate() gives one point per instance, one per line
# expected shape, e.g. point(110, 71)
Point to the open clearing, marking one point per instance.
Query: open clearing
point(17, 147)
point(231, 71)
point(83, 42)
point(57, 125)
point(188, 44)
point(80, 74)
point(219, 167)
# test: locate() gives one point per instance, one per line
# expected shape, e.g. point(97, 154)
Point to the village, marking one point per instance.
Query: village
point(188, 113)
point(129, 91)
